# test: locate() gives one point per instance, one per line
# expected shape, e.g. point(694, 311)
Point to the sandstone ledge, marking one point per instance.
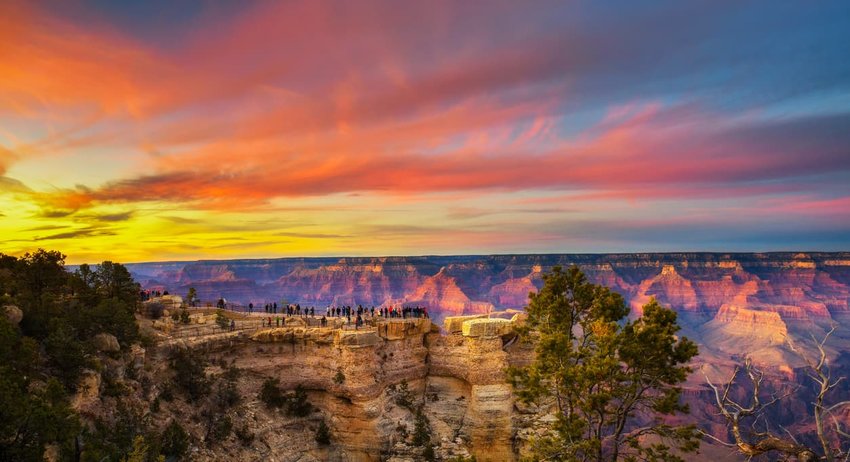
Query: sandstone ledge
point(495, 327)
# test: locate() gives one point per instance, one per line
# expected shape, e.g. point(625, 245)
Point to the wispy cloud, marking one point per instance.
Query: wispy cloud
point(416, 122)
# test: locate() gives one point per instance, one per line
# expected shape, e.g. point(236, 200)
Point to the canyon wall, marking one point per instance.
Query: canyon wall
point(728, 302)
point(366, 384)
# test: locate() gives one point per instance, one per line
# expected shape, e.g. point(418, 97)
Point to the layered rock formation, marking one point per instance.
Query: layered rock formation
point(712, 292)
point(361, 380)
point(795, 284)
point(733, 305)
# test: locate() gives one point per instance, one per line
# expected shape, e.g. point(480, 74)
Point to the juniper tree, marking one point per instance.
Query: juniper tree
point(610, 379)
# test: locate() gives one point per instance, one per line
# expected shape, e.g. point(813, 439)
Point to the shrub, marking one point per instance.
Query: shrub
point(323, 434)
point(189, 373)
point(227, 394)
point(244, 435)
point(428, 453)
point(167, 393)
point(403, 396)
point(66, 355)
point(421, 429)
point(297, 404)
point(154, 310)
point(339, 378)
point(175, 441)
point(184, 316)
point(220, 430)
point(113, 387)
point(401, 429)
point(271, 395)
point(112, 316)
point(221, 319)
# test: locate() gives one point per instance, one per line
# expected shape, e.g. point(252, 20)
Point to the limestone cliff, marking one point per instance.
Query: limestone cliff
point(354, 378)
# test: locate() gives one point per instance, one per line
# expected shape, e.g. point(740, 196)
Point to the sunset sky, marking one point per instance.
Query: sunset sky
point(183, 130)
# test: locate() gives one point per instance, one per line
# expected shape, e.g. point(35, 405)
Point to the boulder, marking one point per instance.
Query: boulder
point(519, 317)
point(88, 391)
point(13, 314)
point(137, 353)
point(454, 324)
point(398, 329)
point(172, 301)
point(52, 453)
point(106, 343)
point(486, 327)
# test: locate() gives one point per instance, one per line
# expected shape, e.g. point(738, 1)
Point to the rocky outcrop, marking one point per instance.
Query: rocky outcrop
point(106, 343)
point(355, 378)
point(12, 313)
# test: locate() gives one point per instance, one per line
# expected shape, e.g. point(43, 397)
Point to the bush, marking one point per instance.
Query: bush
point(297, 404)
point(113, 387)
point(221, 429)
point(154, 310)
point(421, 429)
point(244, 435)
point(175, 441)
point(428, 453)
point(184, 316)
point(401, 429)
point(67, 356)
point(189, 375)
point(167, 392)
point(271, 395)
point(221, 319)
point(323, 434)
point(403, 396)
point(339, 378)
point(111, 316)
point(227, 394)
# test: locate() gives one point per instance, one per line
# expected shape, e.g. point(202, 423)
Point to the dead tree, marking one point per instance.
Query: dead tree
point(819, 371)
point(758, 439)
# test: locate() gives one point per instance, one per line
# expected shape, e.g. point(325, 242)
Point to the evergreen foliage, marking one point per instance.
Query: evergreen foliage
point(610, 378)
point(221, 319)
point(323, 434)
point(43, 358)
point(271, 394)
point(189, 374)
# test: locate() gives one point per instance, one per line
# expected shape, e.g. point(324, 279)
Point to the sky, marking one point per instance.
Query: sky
point(160, 130)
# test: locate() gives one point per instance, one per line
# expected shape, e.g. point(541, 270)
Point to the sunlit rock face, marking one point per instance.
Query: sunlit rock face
point(729, 303)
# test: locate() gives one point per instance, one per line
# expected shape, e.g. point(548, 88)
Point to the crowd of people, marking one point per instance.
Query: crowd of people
point(357, 315)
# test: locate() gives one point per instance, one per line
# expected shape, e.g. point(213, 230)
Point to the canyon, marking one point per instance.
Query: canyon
point(725, 301)
point(733, 305)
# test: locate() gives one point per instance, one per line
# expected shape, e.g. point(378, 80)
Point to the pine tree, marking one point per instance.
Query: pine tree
point(610, 379)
